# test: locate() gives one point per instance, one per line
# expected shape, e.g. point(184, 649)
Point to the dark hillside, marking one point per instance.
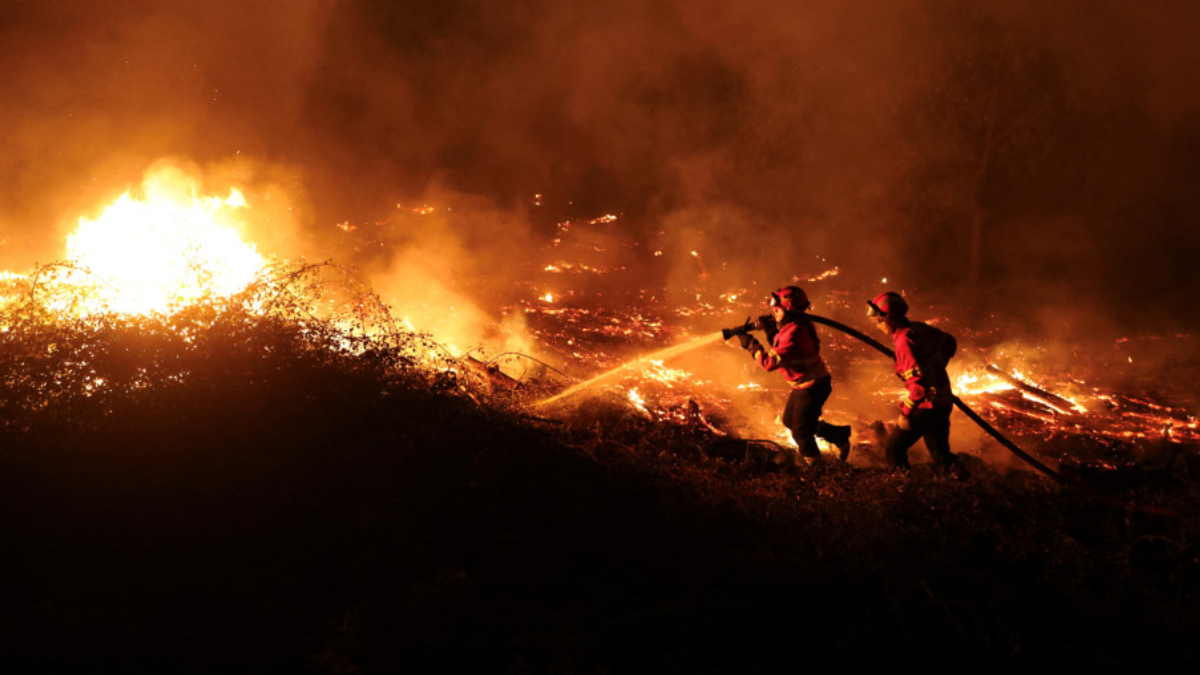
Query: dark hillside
point(284, 508)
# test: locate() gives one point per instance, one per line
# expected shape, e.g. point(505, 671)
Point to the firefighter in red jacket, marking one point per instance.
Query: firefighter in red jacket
point(922, 352)
point(795, 352)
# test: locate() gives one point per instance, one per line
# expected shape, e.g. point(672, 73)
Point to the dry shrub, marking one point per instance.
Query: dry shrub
point(60, 366)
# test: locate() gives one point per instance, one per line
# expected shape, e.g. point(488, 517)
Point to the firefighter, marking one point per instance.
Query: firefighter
point(922, 352)
point(795, 352)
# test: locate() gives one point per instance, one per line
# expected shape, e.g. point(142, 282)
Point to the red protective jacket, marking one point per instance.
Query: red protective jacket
point(921, 362)
point(795, 352)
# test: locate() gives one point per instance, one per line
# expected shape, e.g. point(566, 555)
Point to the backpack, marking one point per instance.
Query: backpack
point(941, 346)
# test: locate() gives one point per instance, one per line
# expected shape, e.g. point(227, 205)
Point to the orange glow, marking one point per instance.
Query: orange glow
point(974, 383)
point(422, 210)
point(827, 274)
point(638, 401)
point(164, 250)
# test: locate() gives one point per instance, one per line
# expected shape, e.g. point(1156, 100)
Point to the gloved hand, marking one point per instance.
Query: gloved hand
point(912, 398)
point(749, 343)
point(767, 323)
point(904, 422)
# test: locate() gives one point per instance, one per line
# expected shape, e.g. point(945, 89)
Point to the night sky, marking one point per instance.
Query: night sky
point(1017, 154)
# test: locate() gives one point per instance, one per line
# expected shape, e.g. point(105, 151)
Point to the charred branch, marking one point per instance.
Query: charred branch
point(1059, 403)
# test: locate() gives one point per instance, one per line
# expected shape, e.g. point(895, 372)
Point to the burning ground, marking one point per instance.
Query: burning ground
point(289, 476)
point(280, 394)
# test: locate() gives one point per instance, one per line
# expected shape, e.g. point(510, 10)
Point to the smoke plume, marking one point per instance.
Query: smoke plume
point(1022, 157)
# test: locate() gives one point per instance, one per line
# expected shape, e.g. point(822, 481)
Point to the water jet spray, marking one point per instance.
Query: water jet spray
point(766, 323)
point(659, 355)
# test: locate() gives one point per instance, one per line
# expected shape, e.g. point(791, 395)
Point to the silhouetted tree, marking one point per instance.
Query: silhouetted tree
point(984, 122)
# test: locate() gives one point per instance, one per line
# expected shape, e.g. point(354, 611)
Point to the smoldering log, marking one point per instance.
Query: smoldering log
point(1059, 403)
point(1019, 404)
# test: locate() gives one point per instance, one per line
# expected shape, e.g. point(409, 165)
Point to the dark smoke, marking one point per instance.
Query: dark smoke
point(1028, 157)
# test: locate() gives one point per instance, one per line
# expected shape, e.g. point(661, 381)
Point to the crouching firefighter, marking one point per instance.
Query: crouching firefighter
point(795, 352)
point(922, 352)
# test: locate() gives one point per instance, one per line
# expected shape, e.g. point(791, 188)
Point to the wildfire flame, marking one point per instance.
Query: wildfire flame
point(164, 250)
point(591, 331)
point(169, 246)
point(973, 383)
point(983, 382)
point(638, 401)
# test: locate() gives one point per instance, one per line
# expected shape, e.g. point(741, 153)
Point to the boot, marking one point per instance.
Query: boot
point(839, 436)
point(810, 466)
point(954, 470)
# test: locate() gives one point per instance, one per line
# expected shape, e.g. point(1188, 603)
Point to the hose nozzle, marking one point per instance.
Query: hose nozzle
point(743, 329)
point(765, 322)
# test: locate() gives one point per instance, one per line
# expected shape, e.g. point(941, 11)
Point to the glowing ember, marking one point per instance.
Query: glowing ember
point(593, 329)
point(155, 254)
point(661, 373)
point(638, 401)
point(827, 274)
point(422, 210)
point(974, 383)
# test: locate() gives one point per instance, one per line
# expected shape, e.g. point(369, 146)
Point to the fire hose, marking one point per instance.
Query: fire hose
point(958, 403)
point(994, 433)
point(767, 323)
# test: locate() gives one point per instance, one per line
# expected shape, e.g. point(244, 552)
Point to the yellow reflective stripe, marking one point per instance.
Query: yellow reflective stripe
point(774, 356)
point(909, 374)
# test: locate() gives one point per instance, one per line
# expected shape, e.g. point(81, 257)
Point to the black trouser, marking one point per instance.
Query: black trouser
point(802, 415)
point(931, 424)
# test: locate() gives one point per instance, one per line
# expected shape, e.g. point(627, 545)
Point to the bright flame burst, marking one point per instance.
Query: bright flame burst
point(984, 382)
point(974, 382)
point(638, 401)
point(164, 251)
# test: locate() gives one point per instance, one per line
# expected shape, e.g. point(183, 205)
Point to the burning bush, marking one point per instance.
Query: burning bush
point(58, 362)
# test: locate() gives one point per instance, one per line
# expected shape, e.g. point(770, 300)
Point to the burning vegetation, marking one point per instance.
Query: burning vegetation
point(172, 270)
point(625, 336)
point(410, 358)
point(269, 411)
